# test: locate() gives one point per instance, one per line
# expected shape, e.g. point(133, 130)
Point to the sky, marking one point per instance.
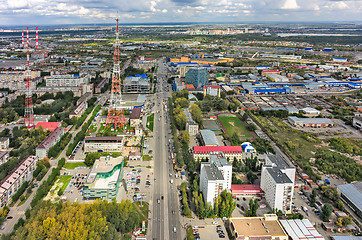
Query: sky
point(49, 12)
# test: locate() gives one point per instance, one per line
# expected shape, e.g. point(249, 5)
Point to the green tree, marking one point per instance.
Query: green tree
point(184, 137)
point(326, 212)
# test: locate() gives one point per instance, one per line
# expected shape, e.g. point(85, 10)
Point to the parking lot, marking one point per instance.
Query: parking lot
point(243, 204)
point(138, 183)
point(74, 190)
point(215, 230)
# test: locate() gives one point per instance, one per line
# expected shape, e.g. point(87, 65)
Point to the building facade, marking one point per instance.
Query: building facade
point(215, 177)
point(4, 143)
point(198, 76)
point(310, 122)
point(13, 181)
point(52, 139)
point(103, 144)
point(4, 157)
point(66, 80)
point(79, 110)
point(136, 84)
point(191, 126)
point(230, 152)
point(277, 182)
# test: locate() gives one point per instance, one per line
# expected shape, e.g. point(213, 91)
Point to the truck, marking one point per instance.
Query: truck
point(327, 181)
point(305, 209)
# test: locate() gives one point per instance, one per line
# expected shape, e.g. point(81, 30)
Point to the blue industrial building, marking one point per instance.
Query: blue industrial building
point(197, 76)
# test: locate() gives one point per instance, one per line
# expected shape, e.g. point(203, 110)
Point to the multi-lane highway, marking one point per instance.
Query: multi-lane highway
point(165, 209)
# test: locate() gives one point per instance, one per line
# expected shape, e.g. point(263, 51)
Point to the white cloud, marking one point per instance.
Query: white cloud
point(290, 4)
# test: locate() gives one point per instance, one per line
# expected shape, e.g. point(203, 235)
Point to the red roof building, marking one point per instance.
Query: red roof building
point(239, 190)
point(230, 152)
point(190, 86)
point(48, 126)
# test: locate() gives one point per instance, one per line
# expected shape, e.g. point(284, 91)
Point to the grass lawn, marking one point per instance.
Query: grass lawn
point(71, 165)
point(234, 125)
point(150, 120)
point(146, 158)
point(65, 179)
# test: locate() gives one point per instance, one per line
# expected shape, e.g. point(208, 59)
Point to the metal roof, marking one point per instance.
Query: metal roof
point(353, 192)
point(209, 137)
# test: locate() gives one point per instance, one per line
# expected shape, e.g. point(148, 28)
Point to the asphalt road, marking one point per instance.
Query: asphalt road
point(163, 221)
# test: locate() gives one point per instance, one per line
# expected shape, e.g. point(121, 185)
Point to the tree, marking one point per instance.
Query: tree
point(326, 212)
point(196, 113)
point(313, 198)
point(251, 127)
point(184, 137)
point(224, 205)
point(223, 95)
point(244, 117)
point(180, 120)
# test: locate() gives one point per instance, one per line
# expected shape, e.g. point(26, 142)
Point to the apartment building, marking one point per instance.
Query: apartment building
point(13, 181)
point(103, 144)
point(277, 182)
point(52, 139)
point(215, 177)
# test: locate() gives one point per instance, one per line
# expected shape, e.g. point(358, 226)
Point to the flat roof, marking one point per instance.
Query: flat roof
point(279, 161)
point(311, 120)
point(105, 164)
point(353, 191)
point(213, 173)
point(245, 188)
point(253, 226)
point(119, 139)
point(136, 113)
point(224, 149)
point(209, 137)
point(278, 175)
point(219, 159)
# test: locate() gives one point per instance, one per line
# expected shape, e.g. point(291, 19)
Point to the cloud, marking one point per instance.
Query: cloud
point(290, 4)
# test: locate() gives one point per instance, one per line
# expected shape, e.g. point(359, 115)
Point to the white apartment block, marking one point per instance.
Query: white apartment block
point(277, 182)
point(13, 181)
point(215, 177)
point(4, 143)
point(66, 80)
point(4, 157)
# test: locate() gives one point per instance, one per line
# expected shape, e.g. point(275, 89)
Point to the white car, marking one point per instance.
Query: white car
point(174, 229)
point(215, 223)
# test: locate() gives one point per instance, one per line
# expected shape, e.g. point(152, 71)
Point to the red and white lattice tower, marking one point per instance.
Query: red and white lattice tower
point(115, 113)
point(29, 111)
point(22, 38)
point(36, 38)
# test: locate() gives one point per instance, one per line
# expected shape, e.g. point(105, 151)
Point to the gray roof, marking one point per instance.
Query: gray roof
point(311, 120)
point(353, 191)
point(347, 237)
point(213, 173)
point(279, 161)
point(278, 176)
point(209, 137)
point(219, 160)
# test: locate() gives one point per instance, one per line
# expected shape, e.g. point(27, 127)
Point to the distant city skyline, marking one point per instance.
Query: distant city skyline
point(53, 12)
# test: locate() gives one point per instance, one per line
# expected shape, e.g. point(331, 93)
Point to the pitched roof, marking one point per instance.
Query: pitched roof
point(136, 113)
point(207, 149)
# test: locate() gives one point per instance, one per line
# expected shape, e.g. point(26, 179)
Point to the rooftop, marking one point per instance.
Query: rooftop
point(136, 113)
point(354, 192)
point(279, 161)
point(3, 139)
point(213, 173)
point(257, 226)
point(51, 137)
point(301, 229)
point(3, 153)
point(115, 139)
point(218, 159)
point(209, 137)
point(48, 125)
point(311, 120)
point(104, 172)
point(224, 149)
point(278, 175)
point(245, 188)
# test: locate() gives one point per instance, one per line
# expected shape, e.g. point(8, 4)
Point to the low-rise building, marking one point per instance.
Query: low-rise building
point(246, 190)
point(13, 181)
point(212, 90)
point(4, 157)
point(79, 110)
point(135, 117)
point(208, 138)
point(134, 156)
point(104, 178)
point(191, 126)
point(357, 121)
point(52, 139)
point(215, 177)
point(310, 122)
point(310, 112)
point(103, 144)
point(4, 143)
point(48, 126)
point(257, 228)
point(277, 182)
point(300, 229)
point(230, 152)
point(351, 194)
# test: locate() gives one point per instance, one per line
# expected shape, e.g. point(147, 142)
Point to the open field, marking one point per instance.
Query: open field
point(233, 125)
point(71, 165)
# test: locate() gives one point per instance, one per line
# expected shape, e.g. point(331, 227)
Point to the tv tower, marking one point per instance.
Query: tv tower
point(115, 113)
point(29, 111)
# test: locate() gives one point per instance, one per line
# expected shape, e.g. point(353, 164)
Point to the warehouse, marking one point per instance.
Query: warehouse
point(310, 122)
point(209, 138)
point(301, 229)
point(351, 194)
